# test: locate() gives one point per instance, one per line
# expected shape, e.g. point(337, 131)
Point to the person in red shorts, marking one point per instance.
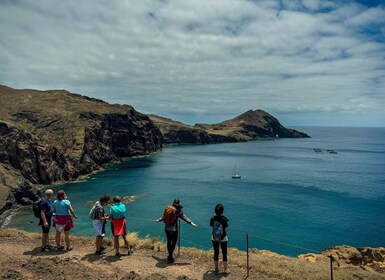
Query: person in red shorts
point(118, 225)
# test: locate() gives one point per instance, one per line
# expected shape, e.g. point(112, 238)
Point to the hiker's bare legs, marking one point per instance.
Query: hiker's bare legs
point(57, 239)
point(67, 239)
point(44, 240)
point(116, 244)
point(98, 242)
point(125, 241)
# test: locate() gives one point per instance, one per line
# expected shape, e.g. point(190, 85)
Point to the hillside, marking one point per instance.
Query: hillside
point(50, 136)
point(22, 259)
point(248, 126)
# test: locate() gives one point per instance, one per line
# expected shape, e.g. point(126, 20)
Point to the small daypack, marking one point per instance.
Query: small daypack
point(217, 231)
point(169, 215)
point(36, 209)
point(93, 211)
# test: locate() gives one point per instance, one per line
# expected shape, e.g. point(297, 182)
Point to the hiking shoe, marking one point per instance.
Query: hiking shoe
point(98, 252)
point(60, 248)
point(130, 251)
point(44, 249)
point(216, 271)
point(170, 261)
point(118, 255)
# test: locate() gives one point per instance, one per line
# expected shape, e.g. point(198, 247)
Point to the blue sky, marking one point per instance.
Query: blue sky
point(307, 62)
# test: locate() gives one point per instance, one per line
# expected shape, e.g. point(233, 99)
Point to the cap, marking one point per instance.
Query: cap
point(61, 192)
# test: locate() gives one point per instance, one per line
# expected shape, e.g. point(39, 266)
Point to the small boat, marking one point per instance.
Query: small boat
point(331, 151)
point(235, 174)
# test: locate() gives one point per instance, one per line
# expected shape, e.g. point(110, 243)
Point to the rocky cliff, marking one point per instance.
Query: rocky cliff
point(50, 136)
point(248, 126)
point(54, 135)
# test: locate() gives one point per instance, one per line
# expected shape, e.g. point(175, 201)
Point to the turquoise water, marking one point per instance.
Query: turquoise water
point(288, 193)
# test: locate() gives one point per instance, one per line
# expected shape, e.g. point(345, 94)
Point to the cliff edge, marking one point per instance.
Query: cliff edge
point(51, 136)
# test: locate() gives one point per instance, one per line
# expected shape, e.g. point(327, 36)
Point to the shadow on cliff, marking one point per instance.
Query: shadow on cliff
point(162, 263)
point(37, 252)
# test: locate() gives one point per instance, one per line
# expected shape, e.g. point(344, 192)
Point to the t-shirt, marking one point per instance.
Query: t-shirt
point(61, 207)
point(46, 207)
point(118, 211)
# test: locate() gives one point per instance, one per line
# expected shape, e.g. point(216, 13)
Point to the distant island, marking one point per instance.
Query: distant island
point(57, 136)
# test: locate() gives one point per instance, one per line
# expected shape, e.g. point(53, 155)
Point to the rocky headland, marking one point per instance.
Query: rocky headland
point(251, 125)
point(56, 136)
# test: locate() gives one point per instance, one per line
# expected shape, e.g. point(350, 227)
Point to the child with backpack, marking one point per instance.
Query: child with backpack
point(170, 218)
point(219, 223)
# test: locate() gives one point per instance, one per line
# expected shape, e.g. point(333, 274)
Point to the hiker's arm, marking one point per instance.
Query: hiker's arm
point(72, 211)
point(186, 219)
point(101, 216)
point(43, 218)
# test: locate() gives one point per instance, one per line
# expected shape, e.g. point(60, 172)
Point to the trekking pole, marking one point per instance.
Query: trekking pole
point(331, 267)
point(247, 256)
point(178, 238)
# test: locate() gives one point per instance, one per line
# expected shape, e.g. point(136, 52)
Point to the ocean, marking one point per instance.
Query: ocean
point(289, 200)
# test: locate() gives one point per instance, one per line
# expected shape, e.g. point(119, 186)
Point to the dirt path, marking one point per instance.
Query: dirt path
point(21, 258)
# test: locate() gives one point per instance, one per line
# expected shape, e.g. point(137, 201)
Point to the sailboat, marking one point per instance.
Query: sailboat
point(235, 174)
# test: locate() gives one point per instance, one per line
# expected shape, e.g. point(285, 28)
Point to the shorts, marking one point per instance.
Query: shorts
point(63, 223)
point(99, 227)
point(118, 227)
point(45, 229)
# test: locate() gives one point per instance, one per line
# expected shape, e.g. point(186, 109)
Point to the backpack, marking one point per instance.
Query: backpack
point(169, 215)
point(217, 231)
point(36, 208)
point(92, 213)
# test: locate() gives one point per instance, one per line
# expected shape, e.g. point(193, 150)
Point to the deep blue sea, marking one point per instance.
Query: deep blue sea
point(288, 192)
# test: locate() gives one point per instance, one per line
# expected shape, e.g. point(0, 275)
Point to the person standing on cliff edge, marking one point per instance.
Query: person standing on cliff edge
point(46, 211)
point(170, 218)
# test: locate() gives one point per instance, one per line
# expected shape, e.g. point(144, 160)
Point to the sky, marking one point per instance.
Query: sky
point(307, 62)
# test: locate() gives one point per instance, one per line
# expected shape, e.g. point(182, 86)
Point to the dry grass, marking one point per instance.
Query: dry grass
point(266, 263)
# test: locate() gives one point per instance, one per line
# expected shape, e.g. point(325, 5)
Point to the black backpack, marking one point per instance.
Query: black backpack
point(36, 209)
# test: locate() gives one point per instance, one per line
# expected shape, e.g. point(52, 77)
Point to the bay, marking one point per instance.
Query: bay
point(288, 193)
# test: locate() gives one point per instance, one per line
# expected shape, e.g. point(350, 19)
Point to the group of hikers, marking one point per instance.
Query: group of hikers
point(61, 212)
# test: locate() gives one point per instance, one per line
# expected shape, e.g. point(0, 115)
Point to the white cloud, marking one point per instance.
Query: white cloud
point(190, 58)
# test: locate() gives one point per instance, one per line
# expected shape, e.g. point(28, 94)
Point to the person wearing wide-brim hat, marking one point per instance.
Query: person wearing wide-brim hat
point(170, 218)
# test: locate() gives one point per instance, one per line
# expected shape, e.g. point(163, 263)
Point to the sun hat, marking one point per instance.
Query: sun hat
point(176, 203)
point(48, 191)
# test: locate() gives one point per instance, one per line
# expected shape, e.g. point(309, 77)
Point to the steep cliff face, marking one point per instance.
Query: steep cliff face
point(251, 125)
point(50, 136)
